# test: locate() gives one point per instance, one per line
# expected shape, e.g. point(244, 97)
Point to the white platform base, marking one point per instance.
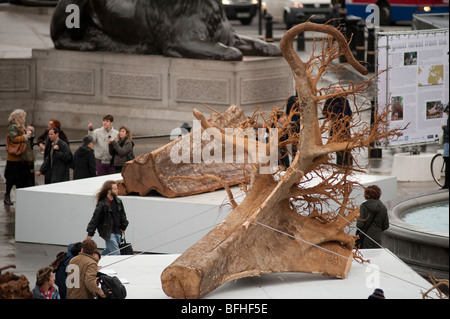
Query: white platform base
point(385, 271)
point(412, 168)
point(59, 213)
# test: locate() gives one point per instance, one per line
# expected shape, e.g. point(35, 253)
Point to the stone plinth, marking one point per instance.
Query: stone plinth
point(17, 86)
point(151, 94)
point(142, 274)
point(157, 224)
point(412, 167)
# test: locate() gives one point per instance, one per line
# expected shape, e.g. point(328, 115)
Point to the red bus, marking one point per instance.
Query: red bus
point(396, 10)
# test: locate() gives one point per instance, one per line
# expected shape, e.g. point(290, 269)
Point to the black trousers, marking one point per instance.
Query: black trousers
point(344, 158)
point(447, 175)
point(19, 174)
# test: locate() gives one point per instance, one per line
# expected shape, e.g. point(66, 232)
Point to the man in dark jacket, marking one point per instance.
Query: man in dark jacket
point(109, 218)
point(446, 154)
point(84, 160)
point(337, 110)
point(56, 166)
point(43, 140)
point(293, 106)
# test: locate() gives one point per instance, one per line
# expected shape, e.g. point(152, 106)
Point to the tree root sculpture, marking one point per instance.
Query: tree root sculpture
point(439, 288)
point(13, 286)
point(245, 244)
point(284, 225)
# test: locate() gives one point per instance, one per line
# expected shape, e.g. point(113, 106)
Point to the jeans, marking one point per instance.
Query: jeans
point(446, 150)
point(112, 245)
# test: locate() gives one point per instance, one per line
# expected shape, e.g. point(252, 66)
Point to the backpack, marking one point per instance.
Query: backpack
point(111, 286)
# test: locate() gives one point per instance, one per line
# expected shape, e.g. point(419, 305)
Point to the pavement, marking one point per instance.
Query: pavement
point(24, 28)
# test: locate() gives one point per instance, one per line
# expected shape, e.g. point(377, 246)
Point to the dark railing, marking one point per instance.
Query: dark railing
point(154, 136)
point(134, 138)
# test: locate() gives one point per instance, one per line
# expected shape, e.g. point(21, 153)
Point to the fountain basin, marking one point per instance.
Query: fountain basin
point(425, 250)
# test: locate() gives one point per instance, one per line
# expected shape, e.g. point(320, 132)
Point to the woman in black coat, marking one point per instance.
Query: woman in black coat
point(84, 160)
point(56, 166)
point(373, 218)
point(338, 111)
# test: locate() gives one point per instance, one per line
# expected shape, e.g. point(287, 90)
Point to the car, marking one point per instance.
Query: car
point(276, 8)
point(289, 11)
point(242, 10)
point(320, 10)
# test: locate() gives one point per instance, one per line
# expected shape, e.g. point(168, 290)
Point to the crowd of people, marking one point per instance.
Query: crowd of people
point(74, 274)
point(103, 151)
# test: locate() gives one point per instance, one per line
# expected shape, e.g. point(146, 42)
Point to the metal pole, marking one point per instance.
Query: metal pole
point(374, 151)
point(269, 34)
point(259, 18)
point(360, 40)
point(371, 50)
point(301, 36)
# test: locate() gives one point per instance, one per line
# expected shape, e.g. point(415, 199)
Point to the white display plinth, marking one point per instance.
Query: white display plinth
point(412, 167)
point(385, 271)
point(59, 213)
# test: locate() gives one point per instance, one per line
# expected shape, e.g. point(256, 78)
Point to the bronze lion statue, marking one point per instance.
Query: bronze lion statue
point(174, 28)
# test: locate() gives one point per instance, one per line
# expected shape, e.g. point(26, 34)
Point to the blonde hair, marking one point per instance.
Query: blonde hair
point(17, 116)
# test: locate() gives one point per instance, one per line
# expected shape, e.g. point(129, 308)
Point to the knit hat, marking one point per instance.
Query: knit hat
point(87, 139)
point(377, 294)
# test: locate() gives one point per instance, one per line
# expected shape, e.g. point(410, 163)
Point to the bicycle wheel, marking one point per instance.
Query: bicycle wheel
point(438, 169)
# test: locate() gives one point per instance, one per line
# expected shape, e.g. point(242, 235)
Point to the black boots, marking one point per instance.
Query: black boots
point(7, 200)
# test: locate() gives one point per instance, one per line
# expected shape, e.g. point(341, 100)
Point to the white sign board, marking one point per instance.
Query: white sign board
point(416, 84)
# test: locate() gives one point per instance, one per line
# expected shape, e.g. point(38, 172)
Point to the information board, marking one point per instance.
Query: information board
point(415, 85)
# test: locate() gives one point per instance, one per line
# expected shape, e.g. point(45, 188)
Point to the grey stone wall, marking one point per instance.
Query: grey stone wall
point(150, 94)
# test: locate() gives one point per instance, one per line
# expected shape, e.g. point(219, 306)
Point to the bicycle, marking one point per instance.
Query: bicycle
point(438, 169)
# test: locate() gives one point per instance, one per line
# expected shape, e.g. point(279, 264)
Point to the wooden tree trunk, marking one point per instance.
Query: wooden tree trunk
point(156, 172)
point(245, 244)
point(264, 234)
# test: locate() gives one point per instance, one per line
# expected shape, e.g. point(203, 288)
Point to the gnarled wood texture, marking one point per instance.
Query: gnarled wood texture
point(157, 172)
point(13, 286)
point(283, 225)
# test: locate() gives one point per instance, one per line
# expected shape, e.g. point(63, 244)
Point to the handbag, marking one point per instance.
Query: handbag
point(15, 149)
point(125, 248)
